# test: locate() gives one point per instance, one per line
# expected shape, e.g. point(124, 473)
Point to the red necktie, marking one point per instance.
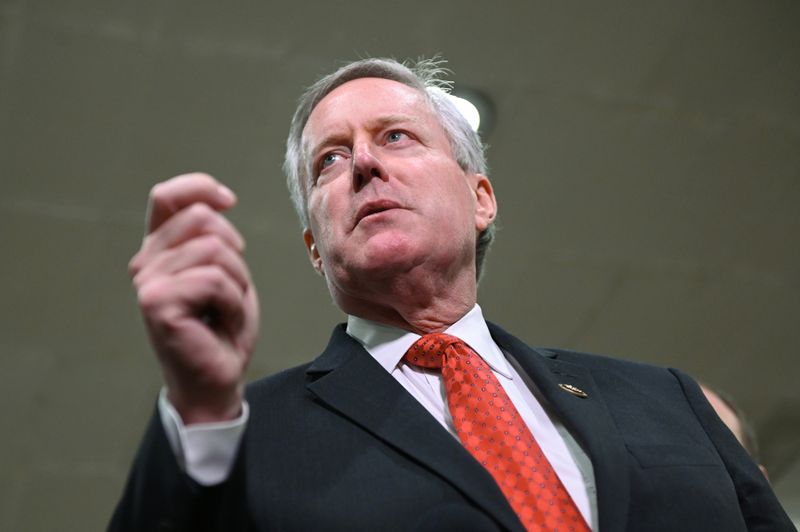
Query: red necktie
point(492, 430)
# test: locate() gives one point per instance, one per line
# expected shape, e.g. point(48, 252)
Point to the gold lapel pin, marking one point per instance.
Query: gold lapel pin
point(574, 390)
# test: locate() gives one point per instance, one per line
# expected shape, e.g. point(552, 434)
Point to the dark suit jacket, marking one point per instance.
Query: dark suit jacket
point(339, 445)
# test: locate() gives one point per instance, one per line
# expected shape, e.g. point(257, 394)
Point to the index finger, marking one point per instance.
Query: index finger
point(169, 197)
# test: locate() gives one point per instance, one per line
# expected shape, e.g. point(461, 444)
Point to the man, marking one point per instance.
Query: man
point(735, 420)
point(396, 426)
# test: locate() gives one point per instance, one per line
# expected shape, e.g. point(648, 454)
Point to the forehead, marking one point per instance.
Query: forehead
point(365, 99)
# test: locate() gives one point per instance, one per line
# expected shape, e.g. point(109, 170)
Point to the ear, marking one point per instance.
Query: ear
point(485, 202)
point(313, 252)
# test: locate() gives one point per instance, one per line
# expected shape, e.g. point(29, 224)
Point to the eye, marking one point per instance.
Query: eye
point(329, 159)
point(395, 136)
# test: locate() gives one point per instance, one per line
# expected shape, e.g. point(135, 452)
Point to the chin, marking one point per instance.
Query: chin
point(390, 253)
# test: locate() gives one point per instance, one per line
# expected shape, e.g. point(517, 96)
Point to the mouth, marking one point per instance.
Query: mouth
point(375, 207)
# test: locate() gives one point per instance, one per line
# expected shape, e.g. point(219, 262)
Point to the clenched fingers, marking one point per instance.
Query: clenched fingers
point(173, 195)
point(193, 294)
point(205, 250)
point(194, 221)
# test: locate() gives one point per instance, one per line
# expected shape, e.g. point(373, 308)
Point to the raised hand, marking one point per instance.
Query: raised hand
point(196, 295)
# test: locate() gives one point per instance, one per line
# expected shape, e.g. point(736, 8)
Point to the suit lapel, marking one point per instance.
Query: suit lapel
point(587, 419)
point(351, 382)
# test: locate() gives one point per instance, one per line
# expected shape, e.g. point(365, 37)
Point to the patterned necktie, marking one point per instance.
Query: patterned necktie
point(492, 430)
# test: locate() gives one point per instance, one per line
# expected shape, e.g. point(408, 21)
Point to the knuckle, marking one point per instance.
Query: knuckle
point(201, 212)
point(138, 282)
point(221, 282)
point(216, 276)
point(150, 296)
point(211, 245)
point(195, 179)
point(142, 257)
point(147, 241)
point(158, 193)
point(204, 177)
point(134, 266)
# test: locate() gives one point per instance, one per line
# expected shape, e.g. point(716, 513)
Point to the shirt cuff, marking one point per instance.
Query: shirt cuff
point(205, 451)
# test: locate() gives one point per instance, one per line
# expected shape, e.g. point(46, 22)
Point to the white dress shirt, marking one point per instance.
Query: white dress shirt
point(207, 451)
point(388, 345)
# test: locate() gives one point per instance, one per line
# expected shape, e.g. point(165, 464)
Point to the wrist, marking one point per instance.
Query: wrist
point(206, 406)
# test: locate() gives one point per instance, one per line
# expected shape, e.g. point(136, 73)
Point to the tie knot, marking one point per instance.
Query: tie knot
point(429, 351)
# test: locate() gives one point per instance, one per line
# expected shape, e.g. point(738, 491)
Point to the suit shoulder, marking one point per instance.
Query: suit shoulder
point(282, 382)
point(602, 361)
point(595, 359)
point(618, 373)
point(592, 361)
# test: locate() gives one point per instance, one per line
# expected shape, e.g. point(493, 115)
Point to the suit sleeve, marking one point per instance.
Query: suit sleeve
point(159, 496)
point(759, 505)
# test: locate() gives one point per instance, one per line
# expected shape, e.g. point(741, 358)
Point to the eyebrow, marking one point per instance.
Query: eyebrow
point(381, 122)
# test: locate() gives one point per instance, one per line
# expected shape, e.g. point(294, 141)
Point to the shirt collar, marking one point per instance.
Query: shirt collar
point(388, 344)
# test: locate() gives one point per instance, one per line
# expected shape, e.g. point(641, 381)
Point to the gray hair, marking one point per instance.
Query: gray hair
point(424, 76)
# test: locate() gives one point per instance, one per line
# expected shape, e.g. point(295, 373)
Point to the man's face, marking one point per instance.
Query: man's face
point(387, 195)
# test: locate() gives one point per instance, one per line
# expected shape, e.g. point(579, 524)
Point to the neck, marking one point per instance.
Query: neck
point(420, 304)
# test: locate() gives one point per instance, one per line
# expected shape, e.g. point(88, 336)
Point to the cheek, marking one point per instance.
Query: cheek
point(318, 207)
point(321, 219)
point(455, 197)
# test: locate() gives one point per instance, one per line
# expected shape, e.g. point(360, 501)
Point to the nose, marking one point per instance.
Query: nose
point(366, 166)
